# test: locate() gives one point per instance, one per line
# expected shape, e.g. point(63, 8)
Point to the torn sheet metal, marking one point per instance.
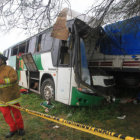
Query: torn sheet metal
point(60, 30)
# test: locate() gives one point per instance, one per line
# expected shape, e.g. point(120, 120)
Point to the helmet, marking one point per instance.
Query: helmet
point(3, 57)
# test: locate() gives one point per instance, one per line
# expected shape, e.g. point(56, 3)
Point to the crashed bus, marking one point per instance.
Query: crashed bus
point(59, 69)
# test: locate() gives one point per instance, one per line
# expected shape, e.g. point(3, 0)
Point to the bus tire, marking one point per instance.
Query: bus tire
point(47, 89)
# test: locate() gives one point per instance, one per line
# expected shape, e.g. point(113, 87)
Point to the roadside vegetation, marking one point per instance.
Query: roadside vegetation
point(104, 117)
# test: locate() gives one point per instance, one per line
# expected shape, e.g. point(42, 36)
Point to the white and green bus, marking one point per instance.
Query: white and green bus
point(59, 69)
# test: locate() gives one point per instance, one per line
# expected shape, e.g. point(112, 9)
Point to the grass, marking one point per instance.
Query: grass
point(104, 117)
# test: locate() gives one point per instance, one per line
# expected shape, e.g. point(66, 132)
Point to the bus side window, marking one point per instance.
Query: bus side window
point(64, 53)
point(22, 49)
point(38, 47)
point(9, 52)
point(27, 46)
point(46, 41)
point(32, 45)
point(15, 51)
point(6, 53)
point(55, 51)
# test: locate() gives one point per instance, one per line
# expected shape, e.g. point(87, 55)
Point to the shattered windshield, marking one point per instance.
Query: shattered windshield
point(85, 75)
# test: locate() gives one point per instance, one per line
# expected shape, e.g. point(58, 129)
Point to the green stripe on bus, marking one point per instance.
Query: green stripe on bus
point(82, 99)
point(37, 59)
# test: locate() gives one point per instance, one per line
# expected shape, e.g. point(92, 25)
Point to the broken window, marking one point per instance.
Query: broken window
point(64, 54)
point(14, 50)
point(22, 48)
point(27, 46)
point(55, 51)
point(32, 45)
point(38, 48)
point(46, 41)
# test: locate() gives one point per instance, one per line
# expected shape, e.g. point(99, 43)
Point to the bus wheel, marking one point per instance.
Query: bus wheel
point(47, 89)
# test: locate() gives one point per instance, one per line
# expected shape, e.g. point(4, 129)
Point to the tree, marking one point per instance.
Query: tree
point(35, 15)
point(31, 15)
point(108, 11)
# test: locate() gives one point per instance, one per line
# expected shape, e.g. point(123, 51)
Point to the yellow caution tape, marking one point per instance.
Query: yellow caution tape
point(85, 128)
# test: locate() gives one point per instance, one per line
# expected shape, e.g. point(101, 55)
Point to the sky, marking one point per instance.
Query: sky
point(13, 37)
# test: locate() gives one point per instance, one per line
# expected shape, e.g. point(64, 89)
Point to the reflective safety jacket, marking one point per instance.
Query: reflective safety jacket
point(9, 91)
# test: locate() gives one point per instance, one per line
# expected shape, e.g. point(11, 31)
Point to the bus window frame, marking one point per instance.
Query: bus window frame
point(10, 50)
point(32, 52)
point(38, 40)
point(23, 44)
point(4, 52)
point(15, 47)
point(54, 61)
point(59, 53)
point(7, 52)
point(49, 49)
point(27, 46)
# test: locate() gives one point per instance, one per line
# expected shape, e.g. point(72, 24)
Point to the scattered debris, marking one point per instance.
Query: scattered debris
point(121, 117)
point(134, 100)
point(24, 91)
point(69, 115)
point(46, 110)
point(46, 106)
point(56, 127)
point(127, 100)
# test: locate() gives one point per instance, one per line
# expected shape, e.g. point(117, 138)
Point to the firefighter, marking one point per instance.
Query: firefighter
point(9, 92)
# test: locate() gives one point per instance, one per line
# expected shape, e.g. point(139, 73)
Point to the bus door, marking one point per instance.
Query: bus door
point(32, 72)
point(64, 75)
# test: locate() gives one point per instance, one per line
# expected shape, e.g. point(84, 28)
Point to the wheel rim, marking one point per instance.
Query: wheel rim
point(48, 92)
